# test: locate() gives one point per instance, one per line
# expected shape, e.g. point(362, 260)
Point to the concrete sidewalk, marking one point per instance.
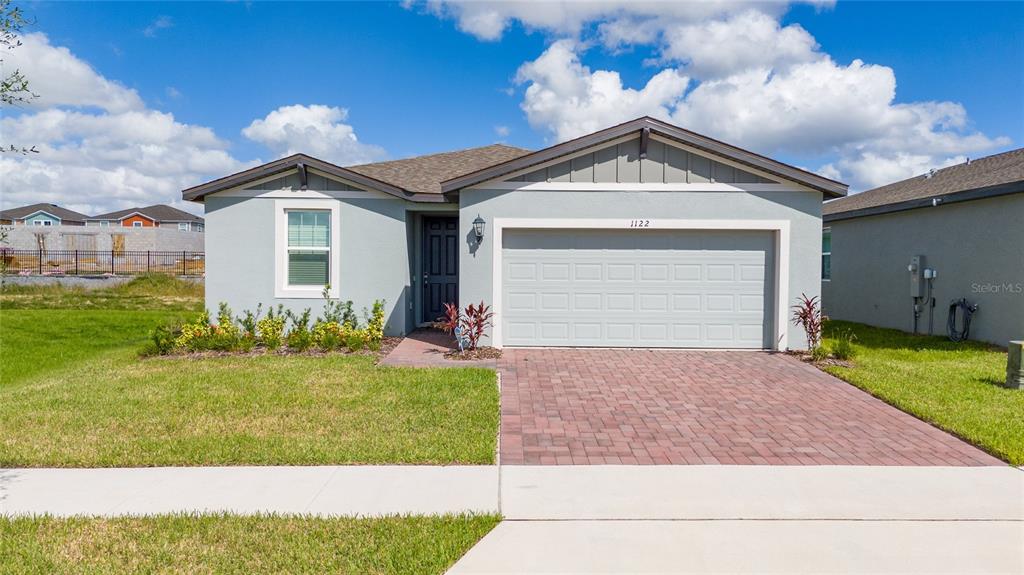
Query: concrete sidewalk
point(327, 490)
point(525, 547)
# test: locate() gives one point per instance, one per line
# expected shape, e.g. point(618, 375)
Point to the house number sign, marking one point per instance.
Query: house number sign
point(639, 223)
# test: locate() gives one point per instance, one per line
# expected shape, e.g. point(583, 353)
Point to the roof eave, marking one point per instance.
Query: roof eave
point(198, 193)
point(930, 201)
point(830, 188)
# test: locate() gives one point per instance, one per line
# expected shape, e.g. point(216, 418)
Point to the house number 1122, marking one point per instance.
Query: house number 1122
point(639, 223)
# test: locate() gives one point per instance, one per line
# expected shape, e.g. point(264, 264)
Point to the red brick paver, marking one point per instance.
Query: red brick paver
point(600, 406)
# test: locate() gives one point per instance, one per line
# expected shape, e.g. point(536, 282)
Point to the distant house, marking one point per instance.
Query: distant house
point(155, 216)
point(42, 215)
point(963, 224)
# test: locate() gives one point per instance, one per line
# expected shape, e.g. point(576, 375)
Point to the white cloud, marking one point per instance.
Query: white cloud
point(160, 23)
point(733, 71)
point(62, 79)
point(101, 148)
point(567, 99)
point(316, 130)
point(502, 131)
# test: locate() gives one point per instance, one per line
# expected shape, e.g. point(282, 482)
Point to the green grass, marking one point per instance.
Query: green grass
point(260, 410)
point(73, 393)
point(955, 386)
point(237, 544)
point(146, 292)
point(35, 341)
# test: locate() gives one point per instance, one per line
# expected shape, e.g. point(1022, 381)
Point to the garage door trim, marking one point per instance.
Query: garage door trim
point(779, 227)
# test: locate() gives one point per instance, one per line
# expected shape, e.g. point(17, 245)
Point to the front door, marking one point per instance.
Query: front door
point(440, 265)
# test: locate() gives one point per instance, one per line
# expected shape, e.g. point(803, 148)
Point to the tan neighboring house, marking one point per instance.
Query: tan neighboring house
point(898, 256)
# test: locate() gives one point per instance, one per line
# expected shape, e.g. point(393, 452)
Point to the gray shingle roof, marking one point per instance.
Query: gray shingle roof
point(63, 213)
point(1004, 168)
point(159, 213)
point(424, 174)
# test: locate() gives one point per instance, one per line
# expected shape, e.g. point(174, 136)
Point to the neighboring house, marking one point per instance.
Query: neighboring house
point(965, 221)
point(42, 215)
point(149, 217)
point(640, 235)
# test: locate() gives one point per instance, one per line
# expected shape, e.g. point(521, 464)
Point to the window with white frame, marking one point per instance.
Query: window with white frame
point(309, 247)
point(183, 226)
point(136, 224)
point(826, 254)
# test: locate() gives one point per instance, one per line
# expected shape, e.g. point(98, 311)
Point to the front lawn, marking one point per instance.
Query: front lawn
point(73, 393)
point(237, 544)
point(955, 386)
point(119, 411)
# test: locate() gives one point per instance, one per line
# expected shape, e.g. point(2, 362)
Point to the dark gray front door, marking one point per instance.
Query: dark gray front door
point(440, 265)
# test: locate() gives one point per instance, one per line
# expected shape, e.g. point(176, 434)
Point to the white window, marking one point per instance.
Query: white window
point(826, 254)
point(104, 224)
point(42, 223)
point(136, 224)
point(307, 236)
point(183, 226)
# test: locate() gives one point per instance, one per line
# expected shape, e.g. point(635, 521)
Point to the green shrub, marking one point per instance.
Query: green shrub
point(249, 320)
point(819, 353)
point(270, 329)
point(842, 345)
point(299, 337)
point(194, 334)
point(375, 323)
point(327, 335)
point(162, 342)
point(226, 322)
point(356, 341)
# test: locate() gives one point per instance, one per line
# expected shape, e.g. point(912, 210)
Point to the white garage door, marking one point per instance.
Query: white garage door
point(637, 288)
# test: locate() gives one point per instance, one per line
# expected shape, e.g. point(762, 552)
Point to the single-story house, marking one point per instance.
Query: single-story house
point(42, 215)
point(640, 235)
point(155, 216)
point(963, 224)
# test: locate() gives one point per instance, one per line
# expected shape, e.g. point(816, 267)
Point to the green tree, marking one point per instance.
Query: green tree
point(14, 88)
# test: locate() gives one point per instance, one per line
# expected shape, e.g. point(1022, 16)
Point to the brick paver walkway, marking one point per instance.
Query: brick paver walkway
point(600, 406)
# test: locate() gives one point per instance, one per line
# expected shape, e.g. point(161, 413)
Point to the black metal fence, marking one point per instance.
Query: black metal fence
point(102, 262)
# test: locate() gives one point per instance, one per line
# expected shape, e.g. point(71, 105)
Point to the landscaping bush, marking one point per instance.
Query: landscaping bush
point(337, 328)
point(270, 330)
point(842, 346)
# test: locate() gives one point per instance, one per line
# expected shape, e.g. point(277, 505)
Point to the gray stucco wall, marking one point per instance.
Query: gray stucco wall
point(977, 247)
point(373, 256)
point(802, 209)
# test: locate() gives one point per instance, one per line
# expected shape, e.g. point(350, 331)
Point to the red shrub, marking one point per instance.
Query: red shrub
point(807, 314)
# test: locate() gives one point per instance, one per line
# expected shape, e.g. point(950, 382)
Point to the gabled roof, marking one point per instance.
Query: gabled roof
point(830, 188)
point(424, 174)
point(157, 213)
point(64, 214)
point(418, 178)
point(998, 174)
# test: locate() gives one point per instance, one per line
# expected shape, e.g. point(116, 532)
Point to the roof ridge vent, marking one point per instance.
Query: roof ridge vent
point(930, 173)
point(968, 162)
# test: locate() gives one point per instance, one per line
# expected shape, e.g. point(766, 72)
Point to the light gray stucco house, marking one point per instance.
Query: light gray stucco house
point(966, 222)
point(639, 235)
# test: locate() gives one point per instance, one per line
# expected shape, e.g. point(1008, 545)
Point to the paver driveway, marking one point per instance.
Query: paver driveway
point(602, 406)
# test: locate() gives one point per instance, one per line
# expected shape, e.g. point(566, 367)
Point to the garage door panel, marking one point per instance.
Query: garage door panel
point(663, 288)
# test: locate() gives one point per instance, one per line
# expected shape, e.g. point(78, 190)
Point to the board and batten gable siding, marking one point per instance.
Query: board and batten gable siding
point(621, 164)
point(373, 255)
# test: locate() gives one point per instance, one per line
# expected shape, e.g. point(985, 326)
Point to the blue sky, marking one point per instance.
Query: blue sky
point(422, 79)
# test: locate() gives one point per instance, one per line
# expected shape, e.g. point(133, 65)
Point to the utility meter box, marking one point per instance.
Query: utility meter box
point(916, 269)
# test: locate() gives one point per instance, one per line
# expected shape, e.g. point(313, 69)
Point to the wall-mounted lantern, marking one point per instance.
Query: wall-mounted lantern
point(478, 227)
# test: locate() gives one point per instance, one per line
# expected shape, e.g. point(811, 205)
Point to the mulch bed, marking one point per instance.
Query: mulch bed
point(474, 354)
point(386, 345)
point(806, 357)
